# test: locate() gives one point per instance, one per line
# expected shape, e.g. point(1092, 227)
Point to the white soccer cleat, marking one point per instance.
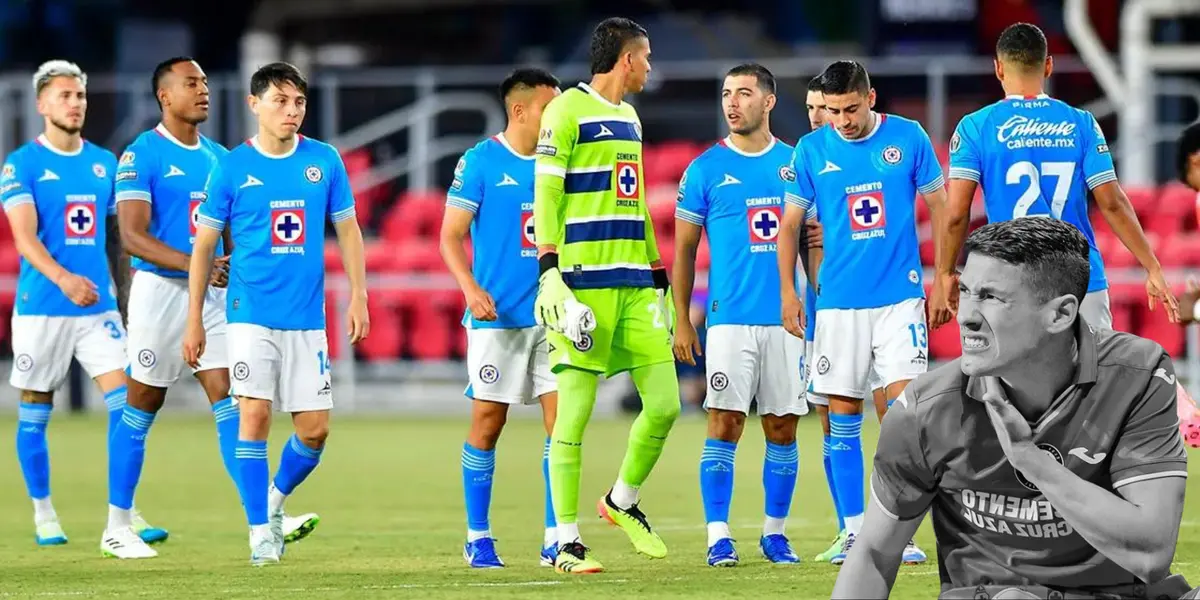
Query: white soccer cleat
point(276, 523)
point(263, 550)
point(124, 543)
point(298, 527)
point(50, 533)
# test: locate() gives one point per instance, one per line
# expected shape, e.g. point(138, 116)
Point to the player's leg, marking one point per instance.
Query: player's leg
point(642, 346)
point(901, 353)
point(1096, 310)
point(305, 391)
point(41, 356)
point(781, 403)
point(879, 396)
point(843, 358)
point(731, 367)
point(577, 366)
point(213, 376)
point(821, 403)
point(545, 390)
point(255, 354)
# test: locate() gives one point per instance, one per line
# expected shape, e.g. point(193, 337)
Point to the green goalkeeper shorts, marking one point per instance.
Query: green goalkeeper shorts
point(630, 333)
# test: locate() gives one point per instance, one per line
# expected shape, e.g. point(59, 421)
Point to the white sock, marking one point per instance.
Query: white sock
point(773, 526)
point(717, 531)
point(478, 535)
point(275, 500)
point(550, 538)
point(260, 532)
point(854, 524)
point(567, 533)
point(623, 495)
point(119, 518)
point(43, 510)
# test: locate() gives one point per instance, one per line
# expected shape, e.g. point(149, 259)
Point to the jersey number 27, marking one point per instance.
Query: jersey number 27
point(1063, 171)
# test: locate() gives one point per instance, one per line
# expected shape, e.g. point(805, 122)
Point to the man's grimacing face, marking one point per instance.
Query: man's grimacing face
point(1001, 321)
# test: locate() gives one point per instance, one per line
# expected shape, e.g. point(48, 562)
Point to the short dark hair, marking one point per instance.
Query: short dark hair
point(277, 74)
point(1189, 144)
point(609, 41)
point(845, 76)
point(766, 80)
point(161, 70)
point(1022, 44)
point(526, 78)
point(1054, 253)
point(814, 84)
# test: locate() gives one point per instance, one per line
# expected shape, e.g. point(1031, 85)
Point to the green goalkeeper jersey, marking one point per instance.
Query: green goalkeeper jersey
point(588, 197)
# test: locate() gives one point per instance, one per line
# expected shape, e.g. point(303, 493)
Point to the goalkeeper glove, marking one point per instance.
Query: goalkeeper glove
point(549, 308)
point(666, 300)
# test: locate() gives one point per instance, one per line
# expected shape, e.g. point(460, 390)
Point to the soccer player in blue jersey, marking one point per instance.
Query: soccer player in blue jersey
point(508, 360)
point(159, 188)
point(861, 173)
point(1037, 156)
point(268, 192)
point(734, 192)
point(58, 194)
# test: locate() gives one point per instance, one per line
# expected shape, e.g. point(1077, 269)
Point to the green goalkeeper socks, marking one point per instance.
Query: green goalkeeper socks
point(659, 389)
point(576, 397)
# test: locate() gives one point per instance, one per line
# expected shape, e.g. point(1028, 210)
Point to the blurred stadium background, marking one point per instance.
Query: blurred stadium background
point(402, 87)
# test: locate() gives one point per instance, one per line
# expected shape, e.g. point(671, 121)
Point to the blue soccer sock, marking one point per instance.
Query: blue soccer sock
point(780, 466)
point(846, 458)
point(115, 402)
point(31, 448)
point(128, 453)
point(837, 507)
point(253, 478)
point(478, 467)
point(227, 417)
point(550, 522)
point(296, 463)
point(716, 486)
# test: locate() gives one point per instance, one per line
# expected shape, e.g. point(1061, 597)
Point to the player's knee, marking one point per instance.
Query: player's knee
point(32, 397)
point(725, 425)
point(313, 435)
point(663, 413)
point(144, 397)
point(487, 421)
point(780, 429)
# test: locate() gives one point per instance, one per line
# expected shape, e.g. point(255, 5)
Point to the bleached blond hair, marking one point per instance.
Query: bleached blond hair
point(56, 68)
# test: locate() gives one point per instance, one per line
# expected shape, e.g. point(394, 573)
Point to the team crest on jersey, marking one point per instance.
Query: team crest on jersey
point(489, 374)
point(194, 212)
point(287, 230)
point(719, 381)
point(1050, 449)
point(99, 170)
point(460, 167)
point(787, 174)
point(528, 239)
point(627, 180)
point(127, 158)
point(892, 155)
point(80, 223)
point(764, 224)
point(955, 142)
point(868, 215)
point(313, 173)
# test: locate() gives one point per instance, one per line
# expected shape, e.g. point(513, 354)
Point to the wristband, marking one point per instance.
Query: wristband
point(546, 262)
point(661, 281)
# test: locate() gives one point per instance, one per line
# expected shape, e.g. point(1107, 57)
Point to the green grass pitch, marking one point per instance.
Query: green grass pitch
point(389, 493)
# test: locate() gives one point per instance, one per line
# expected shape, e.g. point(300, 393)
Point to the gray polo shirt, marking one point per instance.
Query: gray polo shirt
point(1116, 424)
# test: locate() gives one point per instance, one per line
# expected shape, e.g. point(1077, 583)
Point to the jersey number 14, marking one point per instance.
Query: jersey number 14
point(1063, 171)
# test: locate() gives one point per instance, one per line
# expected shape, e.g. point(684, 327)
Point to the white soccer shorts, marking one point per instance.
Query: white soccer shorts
point(874, 382)
point(43, 348)
point(158, 309)
point(511, 366)
point(893, 338)
point(291, 368)
point(1095, 309)
point(747, 362)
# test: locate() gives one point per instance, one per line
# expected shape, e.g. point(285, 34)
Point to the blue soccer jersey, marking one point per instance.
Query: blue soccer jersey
point(738, 198)
point(865, 190)
point(159, 169)
point(275, 208)
point(495, 184)
point(73, 196)
point(1035, 156)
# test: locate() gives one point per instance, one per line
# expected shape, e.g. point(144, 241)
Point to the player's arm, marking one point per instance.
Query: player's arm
point(118, 261)
point(350, 241)
point(462, 204)
point(556, 144)
point(815, 236)
point(902, 489)
point(211, 220)
point(135, 175)
point(950, 230)
point(691, 210)
point(797, 202)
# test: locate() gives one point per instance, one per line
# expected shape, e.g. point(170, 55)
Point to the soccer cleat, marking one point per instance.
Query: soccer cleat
point(50, 533)
point(833, 549)
point(548, 555)
point(777, 549)
point(124, 543)
point(912, 554)
point(722, 554)
point(264, 550)
point(275, 521)
point(1189, 417)
point(148, 533)
point(298, 528)
point(574, 559)
point(481, 554)
point(840, 557)
point(633, 522)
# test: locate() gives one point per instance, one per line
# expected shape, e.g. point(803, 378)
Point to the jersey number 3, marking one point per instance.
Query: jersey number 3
point(1063, 171)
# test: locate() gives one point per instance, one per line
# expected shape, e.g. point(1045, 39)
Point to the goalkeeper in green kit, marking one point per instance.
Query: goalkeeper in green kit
point(602, 292)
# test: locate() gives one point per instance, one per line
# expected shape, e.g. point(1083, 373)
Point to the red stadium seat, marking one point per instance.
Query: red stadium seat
point(418, 256)
point(334, 325)
point(1155, 326)
point(358, 163)
point(333, 257)
point(430, 335)
point(945, 342)
point(1144, 200)
point(379, 256)
point(666, 162)
point(387, 331)
point(1180, 250)
point(1178, 203)
point(1122, 315)
point(414, 215)
point(10, 259)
